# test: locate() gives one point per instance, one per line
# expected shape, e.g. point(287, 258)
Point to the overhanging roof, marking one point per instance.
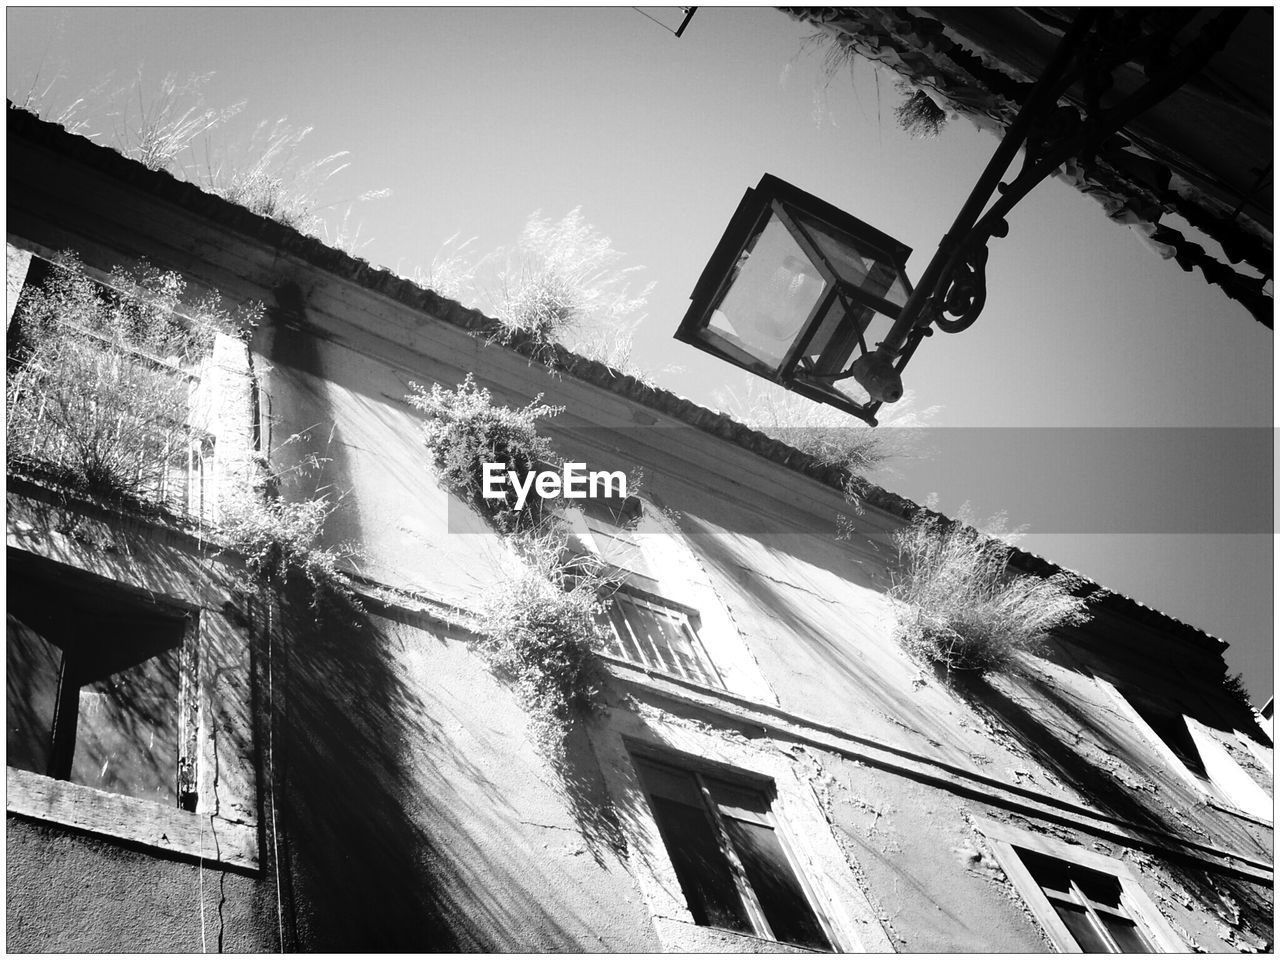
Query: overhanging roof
point(1203, 154)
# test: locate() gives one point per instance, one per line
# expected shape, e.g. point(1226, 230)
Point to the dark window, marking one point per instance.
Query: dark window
point(1171, 727)
point(728, 856)
point(1089, 903)
point(97, 677)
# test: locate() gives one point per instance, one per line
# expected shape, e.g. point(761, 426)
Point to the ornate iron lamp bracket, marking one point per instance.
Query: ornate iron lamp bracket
point(952, 292)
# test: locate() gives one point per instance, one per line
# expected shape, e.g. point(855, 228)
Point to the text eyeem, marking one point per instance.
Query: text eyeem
point(573, 482)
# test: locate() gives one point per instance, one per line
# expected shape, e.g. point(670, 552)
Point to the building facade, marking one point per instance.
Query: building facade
point(235, 767)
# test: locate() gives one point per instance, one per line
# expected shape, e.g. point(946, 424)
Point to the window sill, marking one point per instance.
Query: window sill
point(128, 818)
point(1238, 812)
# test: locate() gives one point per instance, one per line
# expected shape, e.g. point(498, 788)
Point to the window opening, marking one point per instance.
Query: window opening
point(641, 625)
point(730, 860)
point(137, 426)
point(1171, 728)
point(1089, 903)
point(96, 683)
point(612, 523)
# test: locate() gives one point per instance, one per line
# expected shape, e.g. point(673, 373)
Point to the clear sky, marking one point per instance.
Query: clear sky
point(475, 117)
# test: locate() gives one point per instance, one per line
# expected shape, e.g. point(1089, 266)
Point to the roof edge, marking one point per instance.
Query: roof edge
point(27, 126)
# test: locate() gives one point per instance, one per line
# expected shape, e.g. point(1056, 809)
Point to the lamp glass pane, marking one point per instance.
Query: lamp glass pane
point(773, 290)
point(856, 262)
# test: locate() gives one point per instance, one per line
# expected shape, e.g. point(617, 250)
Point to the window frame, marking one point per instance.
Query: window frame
point(826, 865)
point(223, 827)
point(186, 706)
point(671, 575)
point(1221, 789)
point(686, 619)
point(701, 769)
point(1006, 841)
point(195, 479)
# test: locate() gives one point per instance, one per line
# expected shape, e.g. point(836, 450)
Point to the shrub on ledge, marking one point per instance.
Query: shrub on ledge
point(465, 429)
point(99, 377)
point(963, 610)
point(541, 628)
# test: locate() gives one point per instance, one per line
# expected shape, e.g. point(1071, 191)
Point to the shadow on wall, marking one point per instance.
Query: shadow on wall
point(390, 826)
point(381, 808)
point(362, 874)
point(1241, 904)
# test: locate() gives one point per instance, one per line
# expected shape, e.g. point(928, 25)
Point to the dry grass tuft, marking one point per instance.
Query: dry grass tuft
point(963, 610)
point(562, 283)
point(918, 115)
point(831, 436)
point(267, 174)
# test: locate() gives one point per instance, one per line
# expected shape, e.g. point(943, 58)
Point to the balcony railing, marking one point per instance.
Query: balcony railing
point(94, 413)
point(57, 430)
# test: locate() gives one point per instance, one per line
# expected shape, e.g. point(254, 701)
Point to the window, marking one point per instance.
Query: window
point(612, 525)
point(95, 394)
point(1085, 901)
point(1171, 727)
point(657, 635)
point(1088, 903)
point(644, 627)
point(1194, 751)
point(96, 679)
point(730, 859)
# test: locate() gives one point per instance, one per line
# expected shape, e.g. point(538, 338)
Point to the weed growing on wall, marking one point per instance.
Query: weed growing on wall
point(98, 399)
point(962, 610)
point(564, 283)
point(277, 537)
point(541, 628)
point(99, 377)
point(561, 283)
point(465, 429)
point(157, 130)
point(917, 113)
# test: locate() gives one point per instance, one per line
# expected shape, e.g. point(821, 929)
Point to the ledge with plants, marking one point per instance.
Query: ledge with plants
point(541, 628)
point(963, 611)
point(99, 403)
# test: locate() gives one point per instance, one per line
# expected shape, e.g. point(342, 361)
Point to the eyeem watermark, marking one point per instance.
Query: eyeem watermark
point(573, 482)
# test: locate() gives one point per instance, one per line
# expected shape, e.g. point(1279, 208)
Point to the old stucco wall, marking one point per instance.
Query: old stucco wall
point(414, 809)
point(125, 900)
point(942, 890)
point(418, 813)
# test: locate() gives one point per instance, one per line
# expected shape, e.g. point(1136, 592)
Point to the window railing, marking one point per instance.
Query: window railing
point(113, 420)
point(91, 408)
point(657, 636)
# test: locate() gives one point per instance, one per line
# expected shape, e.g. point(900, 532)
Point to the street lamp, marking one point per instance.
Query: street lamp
point(803, 294)
point(799, 292)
